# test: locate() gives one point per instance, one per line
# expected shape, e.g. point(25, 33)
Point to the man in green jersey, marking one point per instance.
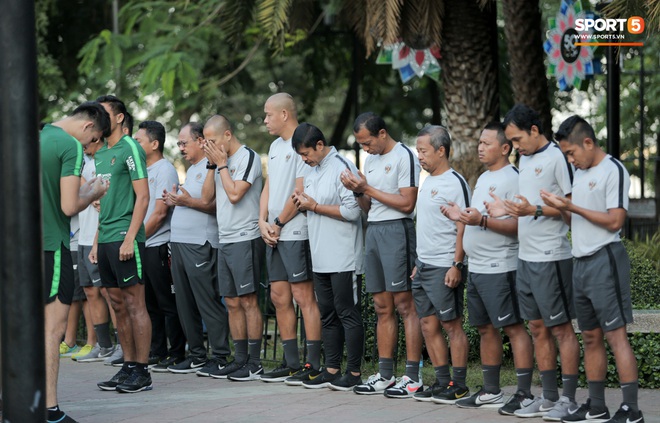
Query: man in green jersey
point(61, 146)
point(120, 239)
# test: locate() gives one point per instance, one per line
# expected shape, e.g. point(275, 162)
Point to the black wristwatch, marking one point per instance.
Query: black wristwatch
point(538, 213)
point(459, 265)
point(211, 166)
point(358, 194)
point(278, 222)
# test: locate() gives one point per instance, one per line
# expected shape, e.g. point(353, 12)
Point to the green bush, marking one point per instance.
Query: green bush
point(644, 276)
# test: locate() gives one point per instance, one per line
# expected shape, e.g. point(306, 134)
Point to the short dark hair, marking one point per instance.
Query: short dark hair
point(574, 130)
point(499, 128)
point(116, 105)
point(438, 137)
point(93, 111)
point(128, 123)
point(196, 130)
point(155, 131)
point(307, 135)
point(524, 117)
point(371, 121)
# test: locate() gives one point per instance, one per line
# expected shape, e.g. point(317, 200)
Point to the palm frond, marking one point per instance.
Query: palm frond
point(421, 23)
point(273, 19)
point(235, 18)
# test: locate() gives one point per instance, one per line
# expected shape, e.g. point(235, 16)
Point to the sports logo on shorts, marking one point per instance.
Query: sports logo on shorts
point(538, 170)
point(434, 192)
point(388, 168)
point(288, 156)
point(592, 185)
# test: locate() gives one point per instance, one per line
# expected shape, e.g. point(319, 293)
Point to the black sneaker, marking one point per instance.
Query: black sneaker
point(345, 383)
point(153, 360)
point(482, 399)
point(162, 365)
point(426, 396)
point(249, 371)
point(111, 385)
point(307, 372)
point(136, 382)
point(625, 415)
point(213, 365)
point(450, 394)
point(119, 362)
point(223, 372)
point(587, 413)
point(189, 365)
point(514, 403)
point(323, 380)
point(279, 374)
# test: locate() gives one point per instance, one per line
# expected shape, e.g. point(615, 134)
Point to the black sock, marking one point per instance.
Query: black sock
point(491, 375)
point(524, 376)
point(386, 367)
point(254, 350)
point(549, 384)
point(412, 370)
point(103, 334)
point(314, 353)
point(597, 393)
point(240, 350)
point(630, 392)
point(442, 375)
point(291, 355)
point(459, 374)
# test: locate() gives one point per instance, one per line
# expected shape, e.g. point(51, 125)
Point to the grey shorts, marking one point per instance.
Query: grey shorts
point(88, 272)
point(491, 298)
point(390, 255)
point(239, 267)
point(545, 291)
point(432, 296)
point(601, 285)
point(289, 261)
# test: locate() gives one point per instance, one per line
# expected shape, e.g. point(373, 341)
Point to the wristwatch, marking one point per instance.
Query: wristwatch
point(538, 212)
point(459, 265)
point(278, 222)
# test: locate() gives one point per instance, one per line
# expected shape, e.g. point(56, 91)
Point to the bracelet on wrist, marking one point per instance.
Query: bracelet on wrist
point(222, 167)
point(211, 166)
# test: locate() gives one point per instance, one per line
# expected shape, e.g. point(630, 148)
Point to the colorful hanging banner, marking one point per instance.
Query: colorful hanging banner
point(411, 62)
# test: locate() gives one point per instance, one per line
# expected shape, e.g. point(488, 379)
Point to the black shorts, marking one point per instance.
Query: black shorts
point(289, 261)
point(58, 275)
point(116, 273)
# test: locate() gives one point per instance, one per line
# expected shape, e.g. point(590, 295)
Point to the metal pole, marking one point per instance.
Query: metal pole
point(642, 162)
point(22, 311)
point(613, 103)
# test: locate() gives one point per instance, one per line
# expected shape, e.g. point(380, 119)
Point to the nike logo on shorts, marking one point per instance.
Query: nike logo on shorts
point(556, 315)
point(128, 279)
point(499, 319)
point(295, 275)
point(201, 264)
point(96, 280)
point(247, 284)
point(611, 321)
point(398, 283)
point(446, 311)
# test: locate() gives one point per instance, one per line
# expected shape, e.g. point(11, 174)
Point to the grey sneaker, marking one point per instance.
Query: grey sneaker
point(90, 357)
point(106, 352)
point(537, 407)
point(562, 408)
point(116, 355)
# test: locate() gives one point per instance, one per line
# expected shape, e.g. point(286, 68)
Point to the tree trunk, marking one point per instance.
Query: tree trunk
point(469, 75)
point(524, 42)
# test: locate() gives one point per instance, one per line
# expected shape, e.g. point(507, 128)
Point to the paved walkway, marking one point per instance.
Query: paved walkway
point(189, 398)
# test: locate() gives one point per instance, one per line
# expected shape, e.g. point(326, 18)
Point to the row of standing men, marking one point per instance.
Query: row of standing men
point(307, 223)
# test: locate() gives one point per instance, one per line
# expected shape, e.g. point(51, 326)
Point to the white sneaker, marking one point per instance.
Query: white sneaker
point(562, 408)
point(537, 407)
point(376, 384)
point(404, 388)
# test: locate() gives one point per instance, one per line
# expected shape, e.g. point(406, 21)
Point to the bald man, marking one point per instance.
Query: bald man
point(234, 182)
point(284, 230)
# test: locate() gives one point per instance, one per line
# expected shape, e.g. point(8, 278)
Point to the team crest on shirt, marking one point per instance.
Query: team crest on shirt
point(198, 177)
point(592, 184)
point(112, 162)
point(151, 181)
point(492, 188)
point(388, 168)
point(232, 171)
point(538, 170)
point(288, 156)
point(434, 192)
